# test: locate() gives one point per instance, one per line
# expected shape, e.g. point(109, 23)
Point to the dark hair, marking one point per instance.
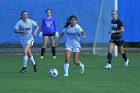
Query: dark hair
point(114, 11)
point(22, 13)
point(48, 10)
point(68, 20)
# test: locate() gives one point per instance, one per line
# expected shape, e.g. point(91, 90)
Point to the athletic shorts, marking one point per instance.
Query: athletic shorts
point(53, 34)
point(24, 42)
point(118, 43)
point(73, 49)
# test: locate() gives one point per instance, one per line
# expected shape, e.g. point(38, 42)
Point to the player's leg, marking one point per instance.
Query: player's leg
point(124, 56)
point(32, 60)
point(67, 59)
point(52, 41)
point(109, 55)
point(25, 58)
point(45, 40)
point(77, 62)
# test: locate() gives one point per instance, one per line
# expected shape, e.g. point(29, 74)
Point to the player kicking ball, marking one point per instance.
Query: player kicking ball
point(116, 39)
point(24, 27)
point(73, 31)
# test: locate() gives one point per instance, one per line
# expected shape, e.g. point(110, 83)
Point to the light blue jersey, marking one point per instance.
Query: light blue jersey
point(73, 36)
point(26, 37)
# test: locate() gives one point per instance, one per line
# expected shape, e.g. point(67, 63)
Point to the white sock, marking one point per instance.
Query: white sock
point(25, 59)
point(66, 68)
point(80, 65)
point(32, 60)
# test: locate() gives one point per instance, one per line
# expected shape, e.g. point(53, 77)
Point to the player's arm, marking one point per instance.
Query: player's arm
point(36, 30)
point(117, 31)
point(83, 34)
point(59, 38)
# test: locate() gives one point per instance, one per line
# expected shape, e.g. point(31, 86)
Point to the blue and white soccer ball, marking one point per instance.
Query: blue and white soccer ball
point(53, 72)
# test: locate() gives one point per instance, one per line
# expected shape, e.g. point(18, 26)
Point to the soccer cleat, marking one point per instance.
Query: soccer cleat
point(107, 66)
point(66, 74)
point(34, 66)
point(23, 70)
point(126, 63)
point(41, 57)
point(82, 69)
point(54, 57)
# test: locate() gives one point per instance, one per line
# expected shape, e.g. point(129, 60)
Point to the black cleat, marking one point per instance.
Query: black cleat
point(34, 66)
point(23, 70)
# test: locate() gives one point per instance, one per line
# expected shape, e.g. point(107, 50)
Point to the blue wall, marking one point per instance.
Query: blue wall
point(86, 11)
point(129, 12)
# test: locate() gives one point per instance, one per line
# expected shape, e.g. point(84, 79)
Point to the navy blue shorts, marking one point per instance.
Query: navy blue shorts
point(118, 43)
point(52, 34)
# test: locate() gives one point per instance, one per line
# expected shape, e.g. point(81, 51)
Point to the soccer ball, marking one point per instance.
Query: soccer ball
point(53, 72)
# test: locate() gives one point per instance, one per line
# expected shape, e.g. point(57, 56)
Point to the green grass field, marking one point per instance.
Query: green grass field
point(94, 80)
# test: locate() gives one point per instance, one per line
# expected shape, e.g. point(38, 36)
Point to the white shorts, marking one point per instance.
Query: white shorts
point(24, 42)
point(73, 49)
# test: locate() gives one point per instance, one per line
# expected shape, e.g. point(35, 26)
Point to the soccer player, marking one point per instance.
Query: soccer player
point(116, 39)
point(73, 31)
point(48, 31)
point(24, 27)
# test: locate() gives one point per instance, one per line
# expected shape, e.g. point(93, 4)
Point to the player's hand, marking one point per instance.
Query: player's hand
point(40, 34)
point(56, 34)
point(111, 32)
point(34, 34)
point(84, 36)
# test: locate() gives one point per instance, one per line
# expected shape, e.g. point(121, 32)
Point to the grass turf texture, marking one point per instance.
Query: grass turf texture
point(94, 80)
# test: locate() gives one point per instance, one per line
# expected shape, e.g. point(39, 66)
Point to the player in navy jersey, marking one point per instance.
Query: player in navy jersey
point(24, 27)
point(116, 39)
point(49, 31)
point(73, 31)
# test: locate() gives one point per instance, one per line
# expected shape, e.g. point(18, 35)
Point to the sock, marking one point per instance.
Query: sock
point(42, 51)
point(53, 51)
point(80, 65)
point(66, 68)
point(109, 58)
point(32, 60)
point(124, 56)
point(25, 59)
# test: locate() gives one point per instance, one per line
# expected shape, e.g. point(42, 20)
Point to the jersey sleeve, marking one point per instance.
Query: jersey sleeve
point(79, 29)
point(64, 30)
point(120, 23)
point(33, 23)
point(54, 24)
point(17, 25)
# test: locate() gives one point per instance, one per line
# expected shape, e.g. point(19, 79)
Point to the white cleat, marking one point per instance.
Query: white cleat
point(82, 69)
point(126, 63)
point(107, 66)
point(66, 75)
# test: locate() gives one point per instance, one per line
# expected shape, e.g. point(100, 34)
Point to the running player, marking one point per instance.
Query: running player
point(24, 27)
point(73, 31)
point(48, 31)
point(116, 39)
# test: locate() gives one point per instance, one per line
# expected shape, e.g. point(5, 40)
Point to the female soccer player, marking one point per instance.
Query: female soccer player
point(73, 31)
point(49, 32)
point(116, 39)
point(24, 27)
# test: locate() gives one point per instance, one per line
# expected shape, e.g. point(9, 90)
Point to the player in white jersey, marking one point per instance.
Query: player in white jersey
point(73, 31)
point(24, 27)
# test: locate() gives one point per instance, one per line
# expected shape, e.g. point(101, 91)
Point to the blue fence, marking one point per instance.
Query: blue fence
point(86, 11)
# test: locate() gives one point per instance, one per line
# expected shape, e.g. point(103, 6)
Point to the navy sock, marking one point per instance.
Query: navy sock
point(42, 51)
point(124, 56)
point(53, 51)
point(109, 58)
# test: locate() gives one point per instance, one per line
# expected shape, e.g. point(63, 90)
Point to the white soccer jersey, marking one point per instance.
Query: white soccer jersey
point(20, 25)
point(27, 26)
point(73, 36)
